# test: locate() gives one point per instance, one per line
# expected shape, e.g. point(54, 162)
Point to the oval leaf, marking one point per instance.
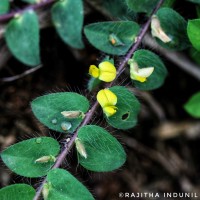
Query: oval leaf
point(175, 27)
point(22, 38)
point(4, 6)
point(104, 152)
point(145, 6)
point(112, 37)
point(67, 16)
point(17, 192)
point(145, 58)
point(48, 110)
point(128, 109)
point(193, 105)
point(193, 31)
point(61, 185)
point(21, 157)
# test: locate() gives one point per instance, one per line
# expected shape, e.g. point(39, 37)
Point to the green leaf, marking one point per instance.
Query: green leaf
point(30, 1)
point(48, 110)
point(193, 30)
point(195, 55)
point(104, 152)
point(145, 58)
point(112, 37)
point(128, 109)
point(193, 105)
point(22, 37)
point(4, 6)
point(175, 26)
point(119, 9)
point(61, 185)
point(145, 6)
point(67, 16)
point(93, 83)
point(21, 157)
point(17, 192)
point(168, 3)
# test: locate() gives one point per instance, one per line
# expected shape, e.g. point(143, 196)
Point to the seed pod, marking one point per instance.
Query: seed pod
point(80, 148)
point(73, 114)
point(45, 190)
point(45, 159)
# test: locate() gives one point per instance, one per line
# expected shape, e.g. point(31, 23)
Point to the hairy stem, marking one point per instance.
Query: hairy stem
point(91, 112)
point(10, 15)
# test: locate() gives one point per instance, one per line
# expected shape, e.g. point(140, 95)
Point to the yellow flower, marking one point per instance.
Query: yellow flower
point(106, 71)
point(137, 74)
point(107, 100)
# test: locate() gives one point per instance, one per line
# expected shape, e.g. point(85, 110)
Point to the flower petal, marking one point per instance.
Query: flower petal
point(107, 71)
point(145, 72)
point(110, 110)
point(136, 77)
point(106, 98)
point(94, 71)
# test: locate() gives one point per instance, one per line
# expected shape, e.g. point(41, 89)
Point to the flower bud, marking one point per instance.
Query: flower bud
point(80, 148)
point(73, 114)
point(45, 159)
point(45, 190)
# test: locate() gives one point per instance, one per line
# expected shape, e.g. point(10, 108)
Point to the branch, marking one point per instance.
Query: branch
point(95, 106)
point(10, 15)
point(27, 72)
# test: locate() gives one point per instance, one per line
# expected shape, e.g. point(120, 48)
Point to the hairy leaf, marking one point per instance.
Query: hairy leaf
point(63, 186)
point(21, 157)
point(67, 16)
point(17, 192)
point(22, 38)
point(128, 108)
point(145, 6)
point(104, 152)
point(112, 37)
point(175, 27)
point(119, 9)
point(48, 110)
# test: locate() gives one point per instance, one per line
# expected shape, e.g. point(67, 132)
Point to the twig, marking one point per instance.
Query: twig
point(91, 112)
point(10, 15)
point(177, 58)
point(27, 72)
